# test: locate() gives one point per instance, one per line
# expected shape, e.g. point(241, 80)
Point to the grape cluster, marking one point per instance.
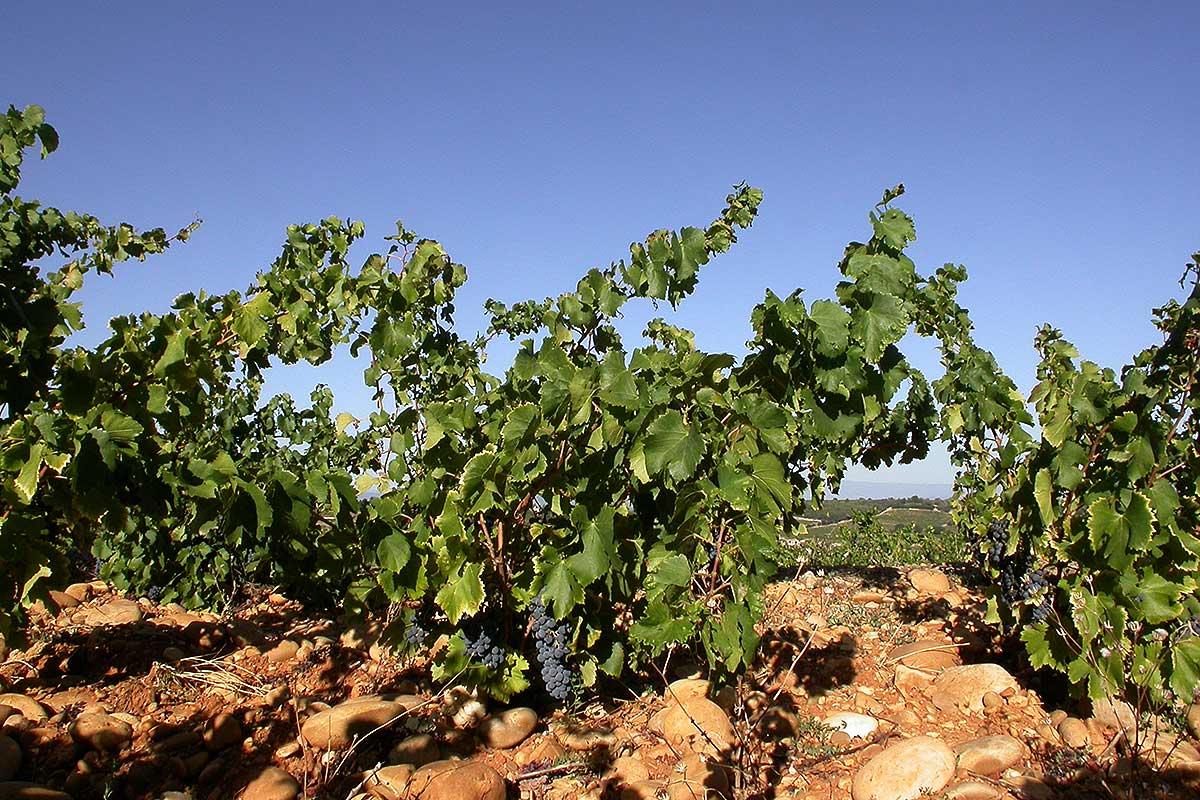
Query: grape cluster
point(552, 644)
point(479, 634)
point(1019, 583)
point(415, 633)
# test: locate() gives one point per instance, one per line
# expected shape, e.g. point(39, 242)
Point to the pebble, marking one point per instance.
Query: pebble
point(509, 728)
point(284, 651)
point(288, 749)
point(972, 790)
point(905, 771)
point(697, 778)
point(912, 679)
point(990, 755)
point(271, 783)
point(62, 600)
point(642, 790)
point(575, 737)
point(627, 770)
point(1028, 787)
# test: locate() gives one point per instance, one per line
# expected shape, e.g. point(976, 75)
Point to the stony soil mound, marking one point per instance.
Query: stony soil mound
point(881, 686)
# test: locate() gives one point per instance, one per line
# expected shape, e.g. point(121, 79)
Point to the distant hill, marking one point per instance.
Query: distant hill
point(882, 490)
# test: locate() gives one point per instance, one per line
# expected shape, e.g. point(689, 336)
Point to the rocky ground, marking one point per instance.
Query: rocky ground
point(870, 686)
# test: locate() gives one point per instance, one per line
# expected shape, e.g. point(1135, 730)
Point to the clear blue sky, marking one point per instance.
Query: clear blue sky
point(1049, 147)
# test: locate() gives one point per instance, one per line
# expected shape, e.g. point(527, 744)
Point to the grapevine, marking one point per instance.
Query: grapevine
point(592, 474)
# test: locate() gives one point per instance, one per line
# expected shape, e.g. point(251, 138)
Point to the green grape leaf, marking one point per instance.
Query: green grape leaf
point(394, 552)
point(27, 478)
point(879, 324)
point(1153, 599)
point(663, 624)
point(521, 423)
point(1185, 666)
point(895, 228)
point(672, 446)
point(176, 351)
point(593, 561)
point(561, 590)
point(1119, 535)
point(462, 595)
point(119, 427)
point(832, 324)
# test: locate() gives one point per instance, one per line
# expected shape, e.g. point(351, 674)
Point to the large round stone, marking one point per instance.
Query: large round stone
point(965, 686)
point(1075, 733)
point(929, 581)
point(101, 731)
point(222, 731)
point(27, 707)
point(415, 751)
point(698, 726)
point(337, 727)
point(271, 783)
point(114, 612)
point(905, 771)
point(927, 654)
point(389, 783)
point(1108, 712)
point(466, 781)
point(508, 728)
point(989, 755)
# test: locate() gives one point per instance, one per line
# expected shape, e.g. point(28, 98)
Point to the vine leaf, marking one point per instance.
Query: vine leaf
point(832, 327)
point(672, 446)
point(119, 427)
point(593, 561)
point(463, 593)
point(1120, 535)
point(27, 479)
point(879, 324)
point(394, 552)
point(561, 589)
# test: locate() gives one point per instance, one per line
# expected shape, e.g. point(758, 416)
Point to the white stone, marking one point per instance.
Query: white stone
point(856, 726)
